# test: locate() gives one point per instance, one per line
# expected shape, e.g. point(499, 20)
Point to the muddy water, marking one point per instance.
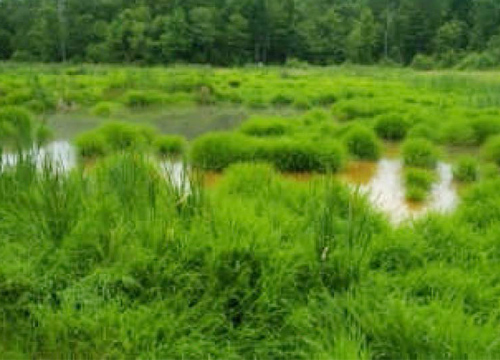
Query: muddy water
point(382, 181)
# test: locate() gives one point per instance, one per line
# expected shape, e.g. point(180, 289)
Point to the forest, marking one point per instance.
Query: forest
point(427, 34)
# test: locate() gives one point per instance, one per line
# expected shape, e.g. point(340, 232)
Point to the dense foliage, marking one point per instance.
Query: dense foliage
point(419, 32)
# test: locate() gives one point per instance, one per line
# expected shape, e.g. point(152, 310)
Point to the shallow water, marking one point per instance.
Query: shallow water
point(386, 191)
point(382, 181)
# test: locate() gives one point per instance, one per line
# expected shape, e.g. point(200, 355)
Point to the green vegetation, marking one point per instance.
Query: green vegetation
point(170, 145)
point(491, 150)
point(424, 34)
point(114, 137)
point(392, 127)
point(266, 127)
point(362, 143)
point(418, 183)
point(251, 262)
point(20, 130)
point(466, 169)
point(216, 151)
point(419, 153)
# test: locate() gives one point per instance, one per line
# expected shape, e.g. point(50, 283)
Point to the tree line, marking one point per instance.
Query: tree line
point(237, 32)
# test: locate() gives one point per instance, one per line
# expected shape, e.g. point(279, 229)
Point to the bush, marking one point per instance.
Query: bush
point(423, 62)
point(363, 143)
point(170, 145)
point(466, 169)
point(266, 127)
point(491, 150)
point(419, 153)
point(478, 61)
point(392, 127)
point(418, 183)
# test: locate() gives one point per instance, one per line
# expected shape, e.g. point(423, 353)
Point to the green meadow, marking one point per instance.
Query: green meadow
point(259, 249)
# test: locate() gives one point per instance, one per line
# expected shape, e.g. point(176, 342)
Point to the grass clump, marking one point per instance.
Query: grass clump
point(347, 110)
point(420, 153)
point(20, 130)
point(170, 145)
point(491, 150)
point(114, 137)
point(266, 127)
point(466, 169)
point(91, 145)
point(418, 183)
point(392, 127)
point(362, 143)
point(104, 109)
point(292, 155)
point(142, 99)
point(216, 151)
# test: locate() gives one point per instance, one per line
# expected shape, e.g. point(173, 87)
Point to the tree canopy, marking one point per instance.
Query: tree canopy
point(235, 32)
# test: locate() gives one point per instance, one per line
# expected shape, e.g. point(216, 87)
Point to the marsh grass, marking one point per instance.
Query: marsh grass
point(363, 143)
point(125, 259)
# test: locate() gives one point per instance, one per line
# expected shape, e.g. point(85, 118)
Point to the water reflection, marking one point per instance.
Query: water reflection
point(387, 192)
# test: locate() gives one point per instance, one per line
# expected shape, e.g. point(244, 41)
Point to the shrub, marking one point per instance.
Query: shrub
point(266, 127)
point(478, 61)
point(392, 126)
point(363, 143)
point(418, 183)
point(423, 62)
point(170, 145)
point(419, 153)
point(466, 169)
point(491, 150)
